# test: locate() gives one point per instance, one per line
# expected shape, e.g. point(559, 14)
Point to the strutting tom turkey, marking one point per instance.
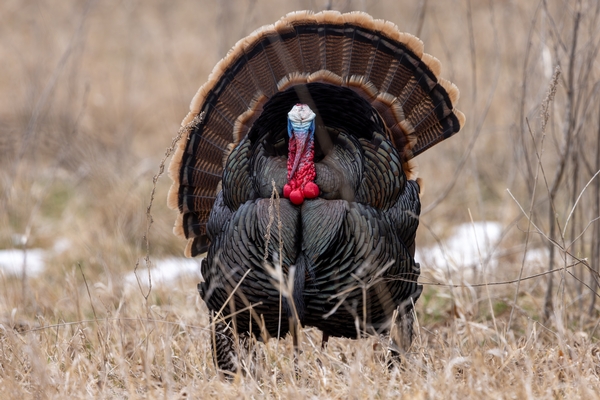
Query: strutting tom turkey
point(328, 110)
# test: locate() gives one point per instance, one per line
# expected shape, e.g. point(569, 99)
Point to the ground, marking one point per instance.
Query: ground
point(91, 95)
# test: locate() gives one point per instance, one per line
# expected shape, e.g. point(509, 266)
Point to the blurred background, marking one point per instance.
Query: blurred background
point(93, 92)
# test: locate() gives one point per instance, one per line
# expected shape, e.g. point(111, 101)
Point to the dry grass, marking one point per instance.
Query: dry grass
point(93, 92)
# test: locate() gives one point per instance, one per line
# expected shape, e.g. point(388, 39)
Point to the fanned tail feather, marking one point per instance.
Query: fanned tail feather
point(372, 57)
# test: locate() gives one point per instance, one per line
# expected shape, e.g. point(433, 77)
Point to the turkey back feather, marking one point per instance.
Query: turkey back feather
point(383, 66)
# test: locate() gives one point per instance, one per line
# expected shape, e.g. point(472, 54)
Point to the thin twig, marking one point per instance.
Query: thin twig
point(487, 289)
point(499, 283)
point(545, 115)
point(564, 155)
point(100, 338)
point(149, 220)
point(421, 17)
point(577, 201)
point(479, 127)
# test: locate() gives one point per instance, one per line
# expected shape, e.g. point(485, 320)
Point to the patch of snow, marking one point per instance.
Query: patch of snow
point(12, 261)
point(469, 246)
point(61, 245)
point(537, 257)
point(166, 270)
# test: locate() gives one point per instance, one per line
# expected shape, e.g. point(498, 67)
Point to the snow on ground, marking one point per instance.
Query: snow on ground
point(166, 270)
point(163, 270)
point(469, 246)
point(12, 261)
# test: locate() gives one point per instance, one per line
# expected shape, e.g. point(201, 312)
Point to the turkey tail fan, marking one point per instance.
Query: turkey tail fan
point(371, 57)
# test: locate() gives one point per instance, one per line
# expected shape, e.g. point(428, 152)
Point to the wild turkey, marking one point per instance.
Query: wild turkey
point(329, 109)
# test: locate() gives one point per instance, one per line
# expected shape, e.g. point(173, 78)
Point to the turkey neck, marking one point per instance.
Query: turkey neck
point(301, 154)
point(301, 171)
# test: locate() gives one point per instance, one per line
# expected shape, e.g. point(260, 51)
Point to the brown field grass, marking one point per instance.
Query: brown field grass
point(91, 95)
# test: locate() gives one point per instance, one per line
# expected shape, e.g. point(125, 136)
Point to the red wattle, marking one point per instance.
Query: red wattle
point(311, 190)
point(296, 197)
point(300, 184)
